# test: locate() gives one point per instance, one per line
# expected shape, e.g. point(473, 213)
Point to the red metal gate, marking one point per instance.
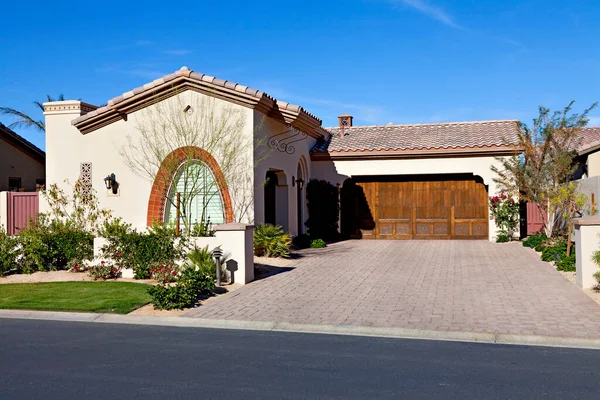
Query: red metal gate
point(22, 206)
point(534, 219)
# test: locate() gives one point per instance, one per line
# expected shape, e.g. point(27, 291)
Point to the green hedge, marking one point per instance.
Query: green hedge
point(140, 251)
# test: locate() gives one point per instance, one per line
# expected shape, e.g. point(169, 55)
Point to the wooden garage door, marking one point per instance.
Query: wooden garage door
point(450, 208)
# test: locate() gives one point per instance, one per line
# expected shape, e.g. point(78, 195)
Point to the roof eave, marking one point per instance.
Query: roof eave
point(119, 108)
point(422, 153)
point(588, 150)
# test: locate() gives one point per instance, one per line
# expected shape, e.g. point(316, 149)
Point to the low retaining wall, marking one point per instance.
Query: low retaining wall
point(587, 241)
point(235, 239)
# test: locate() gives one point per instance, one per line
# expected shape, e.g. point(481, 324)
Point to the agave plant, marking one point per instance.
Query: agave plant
point(271, 241)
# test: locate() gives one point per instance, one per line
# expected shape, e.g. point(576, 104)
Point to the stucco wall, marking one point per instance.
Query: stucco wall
point(287, 166)
point(15, 163)
point(338, 171)
point(593, 164)
point(66, 148)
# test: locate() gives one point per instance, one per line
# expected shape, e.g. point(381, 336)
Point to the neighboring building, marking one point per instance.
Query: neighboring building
point(588, 171)
point(589, 152)
point(396, 181)
point(22, 164)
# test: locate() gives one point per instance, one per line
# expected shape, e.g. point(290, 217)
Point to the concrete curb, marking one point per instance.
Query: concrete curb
point(349, 330)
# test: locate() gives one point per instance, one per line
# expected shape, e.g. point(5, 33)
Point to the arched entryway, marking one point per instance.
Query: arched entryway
point(276, 199)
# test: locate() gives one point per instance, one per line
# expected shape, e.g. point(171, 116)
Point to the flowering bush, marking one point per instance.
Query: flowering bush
point(140, 251)
point(164, 273)
point(104, 270)
point(505, 212)
point(76, 266)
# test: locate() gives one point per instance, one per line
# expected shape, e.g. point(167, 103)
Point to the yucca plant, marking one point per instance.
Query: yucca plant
point(202, 259)
point(271, 241)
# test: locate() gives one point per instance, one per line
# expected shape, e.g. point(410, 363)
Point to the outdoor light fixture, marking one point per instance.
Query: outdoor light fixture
point(217, 253)
point(300, 183)
point(111, 183)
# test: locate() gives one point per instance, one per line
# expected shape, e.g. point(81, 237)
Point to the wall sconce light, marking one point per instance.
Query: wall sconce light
point(111, 183)
point(300, 183)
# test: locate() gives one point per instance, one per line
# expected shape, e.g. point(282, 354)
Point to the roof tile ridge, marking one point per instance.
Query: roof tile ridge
point(493, 121)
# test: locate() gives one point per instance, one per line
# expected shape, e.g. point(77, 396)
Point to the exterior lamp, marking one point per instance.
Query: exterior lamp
point(217, 253)
point(111, 183)
point(300, 183)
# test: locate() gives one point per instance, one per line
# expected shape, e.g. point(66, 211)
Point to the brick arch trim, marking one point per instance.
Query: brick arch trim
point(164, 178)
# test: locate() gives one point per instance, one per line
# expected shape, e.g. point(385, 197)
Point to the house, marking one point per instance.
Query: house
point(396, 181)
point(588, 173)
point(22, 164)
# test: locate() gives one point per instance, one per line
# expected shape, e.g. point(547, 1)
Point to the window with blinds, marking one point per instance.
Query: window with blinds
point(200, 195)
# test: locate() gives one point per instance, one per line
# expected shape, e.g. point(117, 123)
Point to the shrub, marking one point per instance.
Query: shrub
point(323, 200)
point(555, 252)
point(597, 276)
point(76, 266)
point(566, 263)
point(104, 270)
point(502, 238)
point(271, 241)
point(191, 283)
point(202, 229)
point(202, 259)
point(505, 213)
point(317, 244)
point(164, 273)
point(140, 251)
point(115, 227)
point(8, 253)
point(535, 241)
point(302, 241)
point(48, 245)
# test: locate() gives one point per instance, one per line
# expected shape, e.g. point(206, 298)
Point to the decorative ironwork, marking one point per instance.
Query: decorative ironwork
point(284, 142)
point(85, 177)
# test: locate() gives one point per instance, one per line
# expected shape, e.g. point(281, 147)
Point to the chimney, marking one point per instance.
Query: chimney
point(344, 121)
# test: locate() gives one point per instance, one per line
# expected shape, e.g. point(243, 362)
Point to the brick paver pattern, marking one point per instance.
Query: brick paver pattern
point(474, 286)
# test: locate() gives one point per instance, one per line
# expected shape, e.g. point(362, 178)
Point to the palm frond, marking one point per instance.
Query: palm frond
point(24, 119)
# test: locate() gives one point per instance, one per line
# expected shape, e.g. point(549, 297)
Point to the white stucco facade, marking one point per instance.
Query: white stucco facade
point(67, 148)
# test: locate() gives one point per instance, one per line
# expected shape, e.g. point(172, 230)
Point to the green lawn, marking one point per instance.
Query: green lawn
point(100, 297)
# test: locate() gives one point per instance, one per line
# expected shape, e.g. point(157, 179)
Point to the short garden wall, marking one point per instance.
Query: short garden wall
point(587, 241)
point(236, 241)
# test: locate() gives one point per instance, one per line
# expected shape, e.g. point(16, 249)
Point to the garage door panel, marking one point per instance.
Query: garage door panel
point(423, 209)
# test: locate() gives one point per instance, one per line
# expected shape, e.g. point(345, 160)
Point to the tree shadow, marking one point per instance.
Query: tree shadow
point(355, 211)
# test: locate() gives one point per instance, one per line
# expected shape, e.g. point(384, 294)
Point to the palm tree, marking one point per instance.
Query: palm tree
point(24, 119)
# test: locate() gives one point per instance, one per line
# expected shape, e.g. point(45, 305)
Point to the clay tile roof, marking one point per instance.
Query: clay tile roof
point(590, 140)
point(439, 136)
point(134, 100)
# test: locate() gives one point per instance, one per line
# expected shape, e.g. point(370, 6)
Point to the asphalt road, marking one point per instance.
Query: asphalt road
point(69, 360)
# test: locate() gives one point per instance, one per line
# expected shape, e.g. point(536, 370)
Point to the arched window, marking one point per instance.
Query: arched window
point(200, 197)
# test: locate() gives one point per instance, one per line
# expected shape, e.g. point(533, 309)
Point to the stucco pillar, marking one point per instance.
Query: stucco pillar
point(238, 240)
point(587, 241)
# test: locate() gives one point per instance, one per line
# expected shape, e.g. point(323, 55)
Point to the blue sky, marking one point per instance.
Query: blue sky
point(400, 61)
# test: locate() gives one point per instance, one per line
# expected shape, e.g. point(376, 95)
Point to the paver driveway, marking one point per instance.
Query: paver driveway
point(474, 286)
